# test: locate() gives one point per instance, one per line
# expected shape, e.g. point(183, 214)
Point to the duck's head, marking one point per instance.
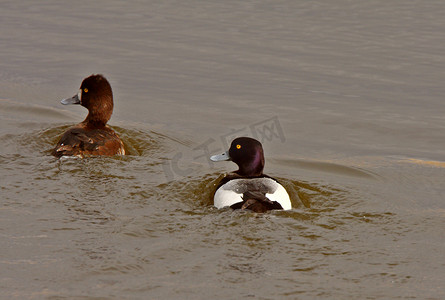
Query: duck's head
point(96, 95)
point(247, 153)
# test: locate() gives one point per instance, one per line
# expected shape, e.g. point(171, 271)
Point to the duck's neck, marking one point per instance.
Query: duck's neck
point(252, 168)
point(94, 121)
point(98, 115)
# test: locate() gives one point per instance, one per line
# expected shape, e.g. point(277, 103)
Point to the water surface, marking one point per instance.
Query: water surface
point(346, 96)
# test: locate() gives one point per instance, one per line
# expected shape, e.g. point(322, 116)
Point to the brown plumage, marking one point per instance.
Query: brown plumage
point(92, 136)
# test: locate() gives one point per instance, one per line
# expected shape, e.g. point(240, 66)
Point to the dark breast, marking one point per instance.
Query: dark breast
point(79, 141)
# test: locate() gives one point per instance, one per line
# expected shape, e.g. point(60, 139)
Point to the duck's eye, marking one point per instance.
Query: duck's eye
point(85, 90)
point(238, 146)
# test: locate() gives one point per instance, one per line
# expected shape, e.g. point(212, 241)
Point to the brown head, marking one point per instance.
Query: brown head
point(96, 95)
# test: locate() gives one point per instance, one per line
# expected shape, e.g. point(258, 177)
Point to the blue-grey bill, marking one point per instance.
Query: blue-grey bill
point(220, 157)
point(73, 100)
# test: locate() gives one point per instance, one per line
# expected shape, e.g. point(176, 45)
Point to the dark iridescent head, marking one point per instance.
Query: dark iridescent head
point(96, 95)
point(247, 153)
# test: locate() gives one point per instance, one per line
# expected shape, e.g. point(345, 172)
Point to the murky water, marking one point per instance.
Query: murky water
point(346, 96)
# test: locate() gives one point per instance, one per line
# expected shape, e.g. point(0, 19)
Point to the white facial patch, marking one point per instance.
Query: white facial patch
point(79, 95)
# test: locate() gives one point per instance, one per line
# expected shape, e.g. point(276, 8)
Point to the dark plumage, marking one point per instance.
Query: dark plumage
point(92, 136)
point(257, 202)
point(248, 187)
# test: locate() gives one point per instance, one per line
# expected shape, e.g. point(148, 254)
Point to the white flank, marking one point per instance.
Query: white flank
point(281, 196)
point(225, 198)
point(232, 192)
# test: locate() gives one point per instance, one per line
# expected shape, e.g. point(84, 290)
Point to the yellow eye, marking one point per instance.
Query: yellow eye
point(238, 146)
point(85, 90)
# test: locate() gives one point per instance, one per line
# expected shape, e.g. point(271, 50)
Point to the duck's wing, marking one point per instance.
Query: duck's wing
point(80, 142)
point(256, 201)
point(74, 142)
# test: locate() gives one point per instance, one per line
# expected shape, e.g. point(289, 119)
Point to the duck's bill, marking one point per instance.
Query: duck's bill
point(73, 100)
point(220, 157)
